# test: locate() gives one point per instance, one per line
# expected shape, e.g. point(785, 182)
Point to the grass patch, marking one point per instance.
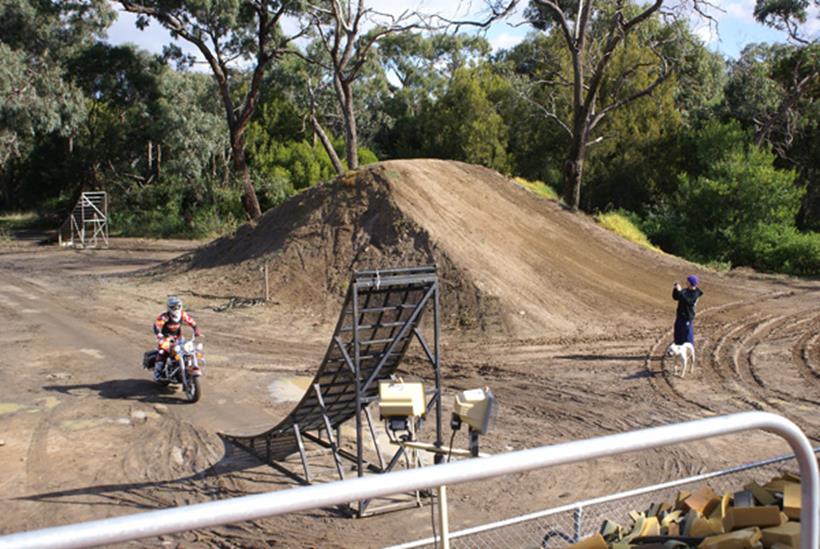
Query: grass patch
point(12, 221)
point(538, 187)
point(619, 223)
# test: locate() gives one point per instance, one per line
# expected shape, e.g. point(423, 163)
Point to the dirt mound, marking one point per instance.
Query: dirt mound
point(510, 261)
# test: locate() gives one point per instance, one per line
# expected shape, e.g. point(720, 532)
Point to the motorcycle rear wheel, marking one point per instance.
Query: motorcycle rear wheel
point(193, 389)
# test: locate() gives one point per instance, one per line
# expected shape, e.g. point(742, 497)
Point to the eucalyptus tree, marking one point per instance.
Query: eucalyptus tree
point(238, 40)
point(37, 95)
point(593, 32)
point(797, 70)
point(349, 33)
point(346, 36)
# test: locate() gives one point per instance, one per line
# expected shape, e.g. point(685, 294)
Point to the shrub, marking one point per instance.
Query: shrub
point(621, 223)
point(176, 209)
point(538, 187)
point(780, 248)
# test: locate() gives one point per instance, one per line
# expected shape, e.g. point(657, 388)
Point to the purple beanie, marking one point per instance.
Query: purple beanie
point(692, 279)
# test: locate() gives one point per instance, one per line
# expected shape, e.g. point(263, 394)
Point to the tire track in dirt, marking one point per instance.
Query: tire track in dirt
point(664, 388)
point(802, 351)
point(759, 338)
point(709, 320)
point(37, 467)
point(737, 352)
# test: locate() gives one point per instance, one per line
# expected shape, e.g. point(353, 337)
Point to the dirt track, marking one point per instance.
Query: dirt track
point(87, 435)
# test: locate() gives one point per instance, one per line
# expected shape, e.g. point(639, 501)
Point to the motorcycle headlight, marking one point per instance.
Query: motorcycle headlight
point(189, 347)
point(199, 346)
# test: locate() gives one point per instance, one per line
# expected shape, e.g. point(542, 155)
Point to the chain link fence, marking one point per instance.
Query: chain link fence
point(564, 525)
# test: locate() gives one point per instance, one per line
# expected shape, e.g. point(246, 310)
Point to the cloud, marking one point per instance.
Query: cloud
point(707, 32)
point(741, 10)
point(505, 40)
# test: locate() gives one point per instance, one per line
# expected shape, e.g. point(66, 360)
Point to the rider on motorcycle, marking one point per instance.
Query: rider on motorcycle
point(167, 328)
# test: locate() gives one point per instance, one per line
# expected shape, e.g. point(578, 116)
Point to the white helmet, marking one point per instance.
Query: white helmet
point(175, 308)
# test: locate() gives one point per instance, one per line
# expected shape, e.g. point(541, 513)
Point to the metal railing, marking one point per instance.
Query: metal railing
point(555, 526)
point(204, 515)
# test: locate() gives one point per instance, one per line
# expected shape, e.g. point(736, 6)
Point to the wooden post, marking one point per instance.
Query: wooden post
point(267, 285)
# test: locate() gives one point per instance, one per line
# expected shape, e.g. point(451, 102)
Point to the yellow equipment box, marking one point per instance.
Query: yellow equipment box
point(399, 399)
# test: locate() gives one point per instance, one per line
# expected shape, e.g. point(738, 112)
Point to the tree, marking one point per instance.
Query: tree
point(784, 15)
point(344, 47)
point(773, 90)
point(224, 33)
point(34, 100)
point(348, 35)
point(592, 33)
point(421, 67)
point(464, 124)
point(37, 96)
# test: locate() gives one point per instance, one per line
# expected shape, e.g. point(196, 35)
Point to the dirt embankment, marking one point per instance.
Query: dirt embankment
point(510, 262)
point(86, 434)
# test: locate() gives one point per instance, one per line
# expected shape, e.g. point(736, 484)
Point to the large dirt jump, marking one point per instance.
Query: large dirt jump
point(514, 263)
point(566, 322)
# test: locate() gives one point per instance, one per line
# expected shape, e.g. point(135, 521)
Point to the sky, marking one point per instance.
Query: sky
point(733, 28)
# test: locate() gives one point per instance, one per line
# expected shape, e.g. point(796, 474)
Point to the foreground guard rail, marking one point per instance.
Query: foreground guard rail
point(205, 515)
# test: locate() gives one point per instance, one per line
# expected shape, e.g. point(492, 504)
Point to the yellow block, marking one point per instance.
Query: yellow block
point(787, 534)
point(703, 500)
point(706, 527)
point(740, 539)
point(720, 510)
point(791, 500)
point(743, 517)
point(651, 527)
point(592, 542)
point(763, 496)
point(776, 484)
point(674, 516)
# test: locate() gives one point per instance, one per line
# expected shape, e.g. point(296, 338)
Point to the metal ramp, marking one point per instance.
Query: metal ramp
point(380, 317)
point(87, 226)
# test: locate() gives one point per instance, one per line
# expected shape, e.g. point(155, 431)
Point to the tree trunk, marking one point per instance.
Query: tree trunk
point(328, 146)
point(351, 136)
point(574, 165)
point(240, 165)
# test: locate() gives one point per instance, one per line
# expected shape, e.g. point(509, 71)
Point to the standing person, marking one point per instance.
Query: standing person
point(685, 316)
point(167, 328)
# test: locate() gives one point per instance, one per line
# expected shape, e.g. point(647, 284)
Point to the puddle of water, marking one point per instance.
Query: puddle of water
point(10, 407)
point(289, 389)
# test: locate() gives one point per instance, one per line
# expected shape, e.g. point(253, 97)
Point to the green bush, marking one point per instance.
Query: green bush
point(177, 209)
point(621, 223)
point(366, 156)
point(538, 187)
point(780, 248)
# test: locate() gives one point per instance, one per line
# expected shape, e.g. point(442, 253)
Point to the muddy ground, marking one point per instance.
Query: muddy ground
point(86, 434)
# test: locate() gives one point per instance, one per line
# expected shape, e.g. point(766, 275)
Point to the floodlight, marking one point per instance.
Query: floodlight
point(476, 408)
point(399, 401)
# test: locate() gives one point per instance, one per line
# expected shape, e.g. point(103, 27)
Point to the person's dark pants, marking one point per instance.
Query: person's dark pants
point(684, 331)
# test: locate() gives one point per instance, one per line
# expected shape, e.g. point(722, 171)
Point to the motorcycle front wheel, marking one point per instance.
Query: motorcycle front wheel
point(192, 389)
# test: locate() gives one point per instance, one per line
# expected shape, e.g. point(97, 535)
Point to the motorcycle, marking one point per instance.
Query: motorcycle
point(183, 366)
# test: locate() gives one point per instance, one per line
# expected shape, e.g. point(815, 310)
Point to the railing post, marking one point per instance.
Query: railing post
point(577, 517)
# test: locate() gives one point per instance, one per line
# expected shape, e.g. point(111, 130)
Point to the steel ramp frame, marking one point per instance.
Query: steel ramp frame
point(380, 318)
point(87, 225)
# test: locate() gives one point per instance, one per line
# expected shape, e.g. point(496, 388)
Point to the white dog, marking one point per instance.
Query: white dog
point(685, 357)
